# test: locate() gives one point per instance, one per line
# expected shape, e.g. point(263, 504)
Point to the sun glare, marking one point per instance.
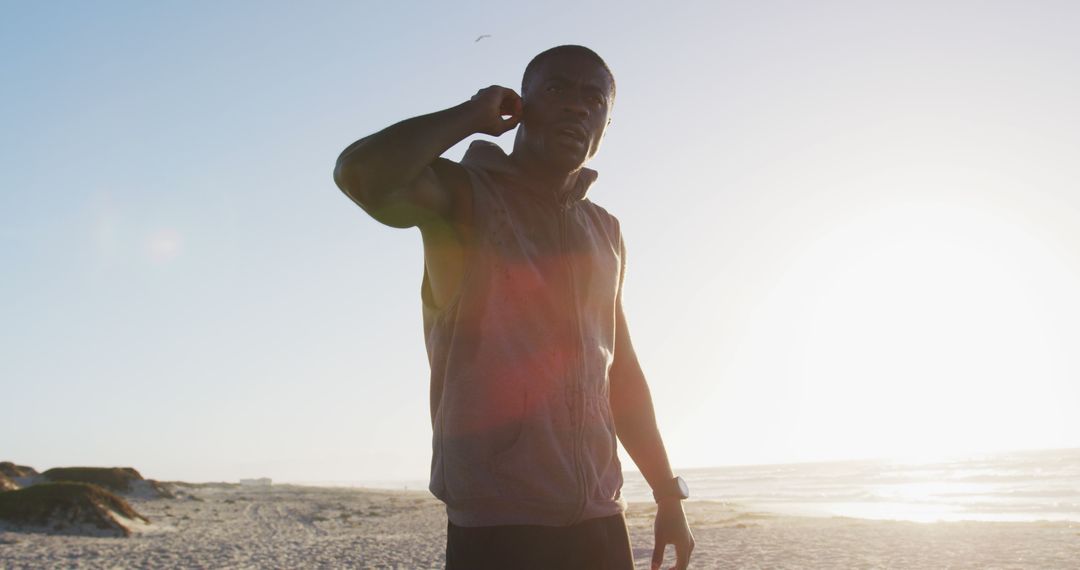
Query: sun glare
point(917, 327)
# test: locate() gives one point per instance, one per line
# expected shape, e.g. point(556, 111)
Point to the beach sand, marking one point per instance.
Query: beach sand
point(287, 526)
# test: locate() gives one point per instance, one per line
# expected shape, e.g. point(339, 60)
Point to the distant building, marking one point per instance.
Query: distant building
point(260, 482)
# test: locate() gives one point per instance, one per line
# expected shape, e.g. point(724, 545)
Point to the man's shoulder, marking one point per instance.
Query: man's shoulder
point(486, 156)
point(600, 212)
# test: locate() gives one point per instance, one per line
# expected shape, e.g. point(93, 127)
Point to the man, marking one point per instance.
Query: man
point(532, 370)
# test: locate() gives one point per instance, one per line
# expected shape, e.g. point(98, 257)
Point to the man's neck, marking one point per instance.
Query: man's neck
point(561, 183)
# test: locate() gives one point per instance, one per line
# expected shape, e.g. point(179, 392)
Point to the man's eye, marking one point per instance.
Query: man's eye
point(554, 89)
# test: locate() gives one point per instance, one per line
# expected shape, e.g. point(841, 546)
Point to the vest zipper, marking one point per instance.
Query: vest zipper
point(577, 415)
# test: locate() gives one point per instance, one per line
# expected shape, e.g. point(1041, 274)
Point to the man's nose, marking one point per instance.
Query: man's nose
point(575, 105)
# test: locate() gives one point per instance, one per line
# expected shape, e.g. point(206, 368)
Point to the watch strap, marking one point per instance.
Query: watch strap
point(674, 488)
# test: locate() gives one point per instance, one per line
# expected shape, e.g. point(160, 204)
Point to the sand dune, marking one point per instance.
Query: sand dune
point(68, 508)
point(87, 501)
point(288, 526)
point(122, 480)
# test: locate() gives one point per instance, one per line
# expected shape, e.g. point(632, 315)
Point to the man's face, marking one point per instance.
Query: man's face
point(566, 105)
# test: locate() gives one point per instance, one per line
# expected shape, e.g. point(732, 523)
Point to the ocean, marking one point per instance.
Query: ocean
point(1017, 486)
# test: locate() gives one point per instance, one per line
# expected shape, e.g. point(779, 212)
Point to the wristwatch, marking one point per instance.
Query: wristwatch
point(673, 489)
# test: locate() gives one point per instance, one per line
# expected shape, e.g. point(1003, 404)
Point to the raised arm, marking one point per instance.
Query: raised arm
point(635, 425)
point(396, 176)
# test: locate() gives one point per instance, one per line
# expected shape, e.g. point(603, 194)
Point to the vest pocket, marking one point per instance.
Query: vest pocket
point(470, 448)
point(539, 467)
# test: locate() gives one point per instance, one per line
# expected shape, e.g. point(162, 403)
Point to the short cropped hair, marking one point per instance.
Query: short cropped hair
point(559, 50)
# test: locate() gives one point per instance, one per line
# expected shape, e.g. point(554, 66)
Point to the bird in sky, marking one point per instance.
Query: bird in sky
point(482, 37)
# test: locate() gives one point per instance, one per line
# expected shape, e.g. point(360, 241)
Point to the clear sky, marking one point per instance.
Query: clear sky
point(852, 226)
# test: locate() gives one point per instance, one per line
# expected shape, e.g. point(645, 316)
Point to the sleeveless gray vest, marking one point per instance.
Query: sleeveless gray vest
point(522, 424)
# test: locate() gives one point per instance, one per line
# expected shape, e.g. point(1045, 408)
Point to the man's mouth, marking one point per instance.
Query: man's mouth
point(571, 133)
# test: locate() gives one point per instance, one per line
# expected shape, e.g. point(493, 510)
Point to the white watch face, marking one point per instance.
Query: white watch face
point(684, 489)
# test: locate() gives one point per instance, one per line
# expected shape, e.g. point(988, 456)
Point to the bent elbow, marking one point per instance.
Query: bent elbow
point(346, 179)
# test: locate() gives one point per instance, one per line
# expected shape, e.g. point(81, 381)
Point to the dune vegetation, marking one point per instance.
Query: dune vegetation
point(13, 471)
point(116, 479)
point(76, 508)
point(6, 484)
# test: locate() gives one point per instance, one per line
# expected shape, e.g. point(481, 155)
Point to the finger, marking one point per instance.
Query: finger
point(519, 107)
point(509, 118)
point(658, 555)
point(682, 555)
point(509, 103)
point(510, 122)
point(508, 93)
point(489, 91)
point(504, 125)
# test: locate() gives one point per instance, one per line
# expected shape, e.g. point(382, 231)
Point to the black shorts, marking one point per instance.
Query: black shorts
point(595, 544)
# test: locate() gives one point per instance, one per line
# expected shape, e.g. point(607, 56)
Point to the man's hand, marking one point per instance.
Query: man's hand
point(671, 528)
point(493, 103)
